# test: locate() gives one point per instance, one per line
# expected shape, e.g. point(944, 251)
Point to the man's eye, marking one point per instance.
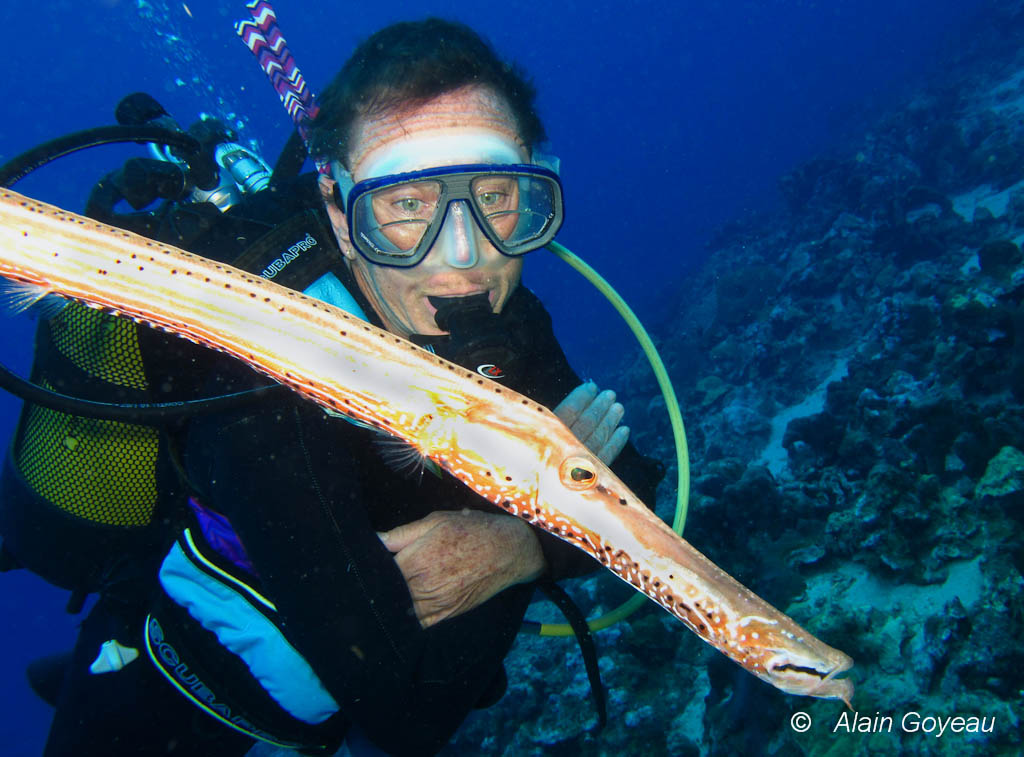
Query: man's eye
point(490, 199)
point(409, 205)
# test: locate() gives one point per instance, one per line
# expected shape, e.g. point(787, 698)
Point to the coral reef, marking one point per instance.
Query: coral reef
point(852, 374)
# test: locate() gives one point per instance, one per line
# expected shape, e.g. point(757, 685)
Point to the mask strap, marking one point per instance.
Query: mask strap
point(343, 184)
point(540, 157)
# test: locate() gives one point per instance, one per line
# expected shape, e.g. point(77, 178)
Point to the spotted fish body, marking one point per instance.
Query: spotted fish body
point(511, 450)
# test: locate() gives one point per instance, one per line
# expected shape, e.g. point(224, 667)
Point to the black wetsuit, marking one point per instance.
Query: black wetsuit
point(307, 493)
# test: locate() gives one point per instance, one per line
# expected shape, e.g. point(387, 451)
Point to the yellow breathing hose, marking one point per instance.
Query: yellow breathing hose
point(675, 417)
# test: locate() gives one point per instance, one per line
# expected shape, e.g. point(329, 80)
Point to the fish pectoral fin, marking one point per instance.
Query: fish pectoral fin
point(18, 297)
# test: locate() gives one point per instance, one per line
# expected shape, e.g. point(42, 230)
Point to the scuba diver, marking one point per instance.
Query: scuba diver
point(267, 571)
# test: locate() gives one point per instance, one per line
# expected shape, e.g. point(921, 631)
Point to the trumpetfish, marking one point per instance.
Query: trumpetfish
point(511, 450)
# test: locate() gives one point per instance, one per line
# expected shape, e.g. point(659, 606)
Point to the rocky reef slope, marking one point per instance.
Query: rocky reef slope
point(852, 376)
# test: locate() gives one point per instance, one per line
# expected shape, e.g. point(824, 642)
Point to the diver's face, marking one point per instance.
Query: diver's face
point(466, 126)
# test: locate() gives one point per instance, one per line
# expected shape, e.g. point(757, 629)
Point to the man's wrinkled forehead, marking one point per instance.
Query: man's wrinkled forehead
point(471, 108)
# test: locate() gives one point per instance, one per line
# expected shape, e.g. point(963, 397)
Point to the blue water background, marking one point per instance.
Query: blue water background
point(670, 119)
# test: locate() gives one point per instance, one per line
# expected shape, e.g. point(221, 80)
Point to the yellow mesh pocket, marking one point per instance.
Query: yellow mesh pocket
point(102, 345)
point(102, 471)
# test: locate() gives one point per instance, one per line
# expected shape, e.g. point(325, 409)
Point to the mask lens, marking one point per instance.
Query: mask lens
point(394, 219)
point(396, 222)
point(519, 209)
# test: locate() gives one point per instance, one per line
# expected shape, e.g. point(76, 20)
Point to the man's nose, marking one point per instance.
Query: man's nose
point(457, 240)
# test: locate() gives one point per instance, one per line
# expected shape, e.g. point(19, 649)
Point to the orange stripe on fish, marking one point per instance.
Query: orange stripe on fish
point(506, 447)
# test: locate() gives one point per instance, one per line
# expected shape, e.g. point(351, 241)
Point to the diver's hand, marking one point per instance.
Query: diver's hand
point(593, 416)
point(454, 561)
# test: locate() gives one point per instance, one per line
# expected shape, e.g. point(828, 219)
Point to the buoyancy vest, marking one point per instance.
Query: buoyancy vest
point(84, 499)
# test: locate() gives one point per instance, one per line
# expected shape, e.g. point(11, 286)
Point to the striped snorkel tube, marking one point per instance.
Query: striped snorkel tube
point(263, 37)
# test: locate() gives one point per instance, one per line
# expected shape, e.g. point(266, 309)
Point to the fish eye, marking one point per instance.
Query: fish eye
point(578, 473)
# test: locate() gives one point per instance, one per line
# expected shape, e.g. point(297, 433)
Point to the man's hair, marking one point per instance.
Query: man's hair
point(408, 64)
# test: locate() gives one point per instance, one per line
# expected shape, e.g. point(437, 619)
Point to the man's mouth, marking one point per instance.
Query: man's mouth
point(465, 310)
point(453, 295)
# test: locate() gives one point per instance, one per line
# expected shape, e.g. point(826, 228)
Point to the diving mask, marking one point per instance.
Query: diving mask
point(394, 220)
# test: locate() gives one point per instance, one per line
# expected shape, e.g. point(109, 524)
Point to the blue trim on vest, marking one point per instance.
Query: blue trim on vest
point(177, 673)
point(328, 288)
point(246, 632)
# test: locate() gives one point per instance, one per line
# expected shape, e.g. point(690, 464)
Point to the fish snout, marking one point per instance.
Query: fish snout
point(812, 674)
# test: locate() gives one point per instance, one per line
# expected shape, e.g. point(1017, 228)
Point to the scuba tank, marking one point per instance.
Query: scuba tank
point(199, 184)
point(228, 170)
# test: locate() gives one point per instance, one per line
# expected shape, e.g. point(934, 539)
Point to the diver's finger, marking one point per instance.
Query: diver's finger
point(591, 417)
point(400, 537)
point(569, 409)
point(606, 427)
point(614, 445)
